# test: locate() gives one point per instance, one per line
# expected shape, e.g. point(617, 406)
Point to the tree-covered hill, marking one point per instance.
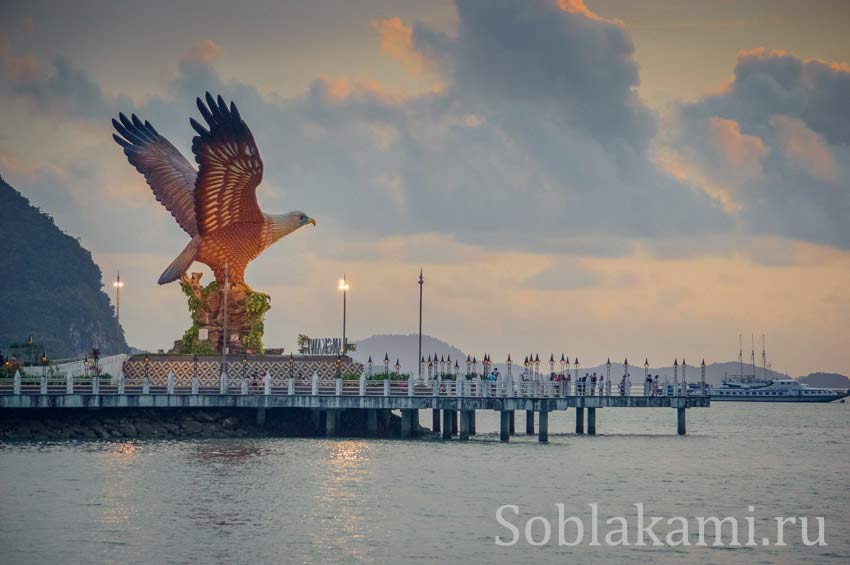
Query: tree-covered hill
point(50, 288)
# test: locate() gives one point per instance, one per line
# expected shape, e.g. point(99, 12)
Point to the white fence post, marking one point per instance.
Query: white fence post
point(386, 387)
point(290, 386)
point(267, 383)
point(315, 390)
point(95, 384)
point(146, 385)
point(243, 386)
point(170, 382)
point(222, 383)
point(17, 385)
point(339, 386)
point(459, 383)
point(411, 385)
point(43, 384)
point(362, 385)
point(121, 383)
point(196, 385)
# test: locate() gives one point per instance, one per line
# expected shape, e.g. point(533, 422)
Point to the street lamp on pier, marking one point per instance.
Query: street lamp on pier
point(343, 286)
point(118, 285)
point(386, 365)
point(510, 364)
point(397, 368)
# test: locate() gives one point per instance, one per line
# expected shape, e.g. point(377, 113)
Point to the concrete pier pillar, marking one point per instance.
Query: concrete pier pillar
point(372, 422)
point(316, 418)
point(543, 427)
point(331, 423)
point(414, 422)
point(261, 416)
point(579, 420)
point(591, 421)
point(512, 421)
point(472, 422)
point(385, 418)
point(529, 422)
point(435, 420)
point(454, 422)
point(464, 424)
point(406, 422)
point(680, 413)
point(504, 425)
point(447, 424)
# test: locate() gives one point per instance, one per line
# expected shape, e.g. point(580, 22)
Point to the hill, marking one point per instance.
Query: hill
point(826, 380)
point(405, 348)
point(51, 289)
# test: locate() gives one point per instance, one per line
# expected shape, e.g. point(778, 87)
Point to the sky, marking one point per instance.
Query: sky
point(599, 178)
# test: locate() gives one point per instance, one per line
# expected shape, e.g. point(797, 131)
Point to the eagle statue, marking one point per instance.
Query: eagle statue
point(215, 204)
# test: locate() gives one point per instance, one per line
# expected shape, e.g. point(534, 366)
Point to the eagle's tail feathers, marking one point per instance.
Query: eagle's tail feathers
point(180, 265)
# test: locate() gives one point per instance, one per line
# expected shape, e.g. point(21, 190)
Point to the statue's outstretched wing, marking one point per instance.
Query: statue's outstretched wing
point(230, 168)
point(169, 174)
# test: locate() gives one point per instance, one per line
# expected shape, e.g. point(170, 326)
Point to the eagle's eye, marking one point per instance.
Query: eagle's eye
point(303, 218)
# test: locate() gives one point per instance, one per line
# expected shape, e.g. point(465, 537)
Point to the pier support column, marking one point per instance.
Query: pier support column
point(591, 421)
point(505, 417)
point(464, 424)
point(316, 418)
point(447, 424)
point(385, 418)
point(454, 421)
point(406, 423)
point(261, 416)
point(529, 422)
point(680, 413)
point(579, 420)
point(331, 423)
point(372, 422)
point(472, 422)
point(543, 427)
point(435, 420)
point(512, 422)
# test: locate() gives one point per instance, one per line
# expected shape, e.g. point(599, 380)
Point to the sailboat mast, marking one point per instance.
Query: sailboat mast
point(753, 353)
point(763, 357)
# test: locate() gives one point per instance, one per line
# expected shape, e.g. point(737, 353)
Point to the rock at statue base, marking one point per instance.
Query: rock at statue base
point(245, 311)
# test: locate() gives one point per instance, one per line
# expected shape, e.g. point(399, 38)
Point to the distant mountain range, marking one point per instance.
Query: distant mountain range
point(404, 348)
point(52, 290)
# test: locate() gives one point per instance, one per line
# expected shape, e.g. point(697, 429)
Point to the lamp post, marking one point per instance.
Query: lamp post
point(457, 369)
point(684, 377)
point(510, 364)
point(370, 366)
point(474, 365)
point(338, 365)
point(608, 370)
point(702, 379)
point(397, 368)
point(195, 365)
point(646, 369)
point(563, 366)
point(291, 359)
point(422, 364)
point(421, 282)
point(43, 364)
point(343, 286)
point(468, 365)
point(386, 365)
point(430, 368)
point(147, 363)
point(118, 285)
point(525, 365)
point(537, 367)
point(442, 366)
point(486, 364)
point(575, 364)
point(551, 364)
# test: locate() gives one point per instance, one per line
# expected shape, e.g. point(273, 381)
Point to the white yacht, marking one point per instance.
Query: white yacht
point(775, 390)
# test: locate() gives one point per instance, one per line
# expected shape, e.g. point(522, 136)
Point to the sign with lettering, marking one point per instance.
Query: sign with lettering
point(325, 346)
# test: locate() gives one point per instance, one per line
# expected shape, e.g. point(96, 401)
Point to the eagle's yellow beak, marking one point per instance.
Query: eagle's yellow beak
point(312, 221)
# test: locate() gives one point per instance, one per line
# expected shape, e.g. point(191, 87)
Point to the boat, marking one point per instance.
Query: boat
point(771, 390)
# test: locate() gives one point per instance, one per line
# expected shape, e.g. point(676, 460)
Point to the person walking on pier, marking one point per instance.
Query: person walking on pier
point(593, 384)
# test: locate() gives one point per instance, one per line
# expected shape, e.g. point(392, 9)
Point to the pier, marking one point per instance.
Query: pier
point(453, 403)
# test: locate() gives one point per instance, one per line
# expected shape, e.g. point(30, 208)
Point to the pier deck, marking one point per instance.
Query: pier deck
point(457, 403)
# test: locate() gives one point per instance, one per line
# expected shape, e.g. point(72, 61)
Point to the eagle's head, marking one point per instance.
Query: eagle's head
point(285, 224)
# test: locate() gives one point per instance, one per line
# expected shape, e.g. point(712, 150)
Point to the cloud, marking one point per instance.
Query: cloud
point(205, 52)
point(396, 40)
point(774, 143)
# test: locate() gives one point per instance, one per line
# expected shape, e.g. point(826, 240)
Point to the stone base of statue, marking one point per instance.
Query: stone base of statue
point(245, 312)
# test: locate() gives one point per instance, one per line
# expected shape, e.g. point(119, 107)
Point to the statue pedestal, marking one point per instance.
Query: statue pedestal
point(245, 311)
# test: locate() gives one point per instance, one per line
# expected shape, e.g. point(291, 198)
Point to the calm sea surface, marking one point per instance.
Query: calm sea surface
point(392, 501)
